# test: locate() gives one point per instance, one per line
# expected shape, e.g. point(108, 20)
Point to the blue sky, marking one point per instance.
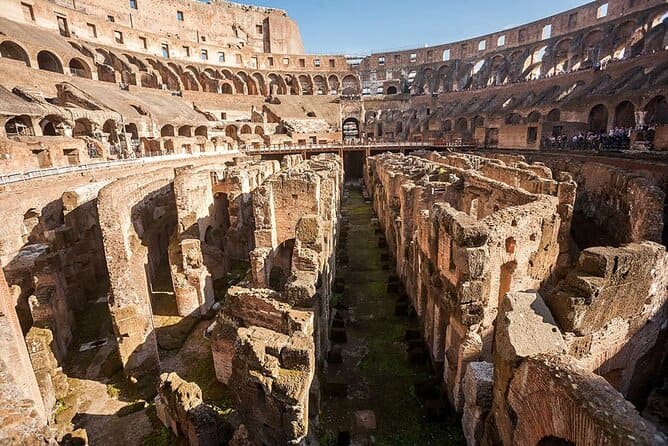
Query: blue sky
point(363, 26)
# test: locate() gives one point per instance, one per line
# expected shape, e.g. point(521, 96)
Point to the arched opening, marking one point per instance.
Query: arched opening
point(259, 130)
point(11, 50)
point(305, 84)
point(534, 117)
point(391, 89)
point(625, 115)
point(477, 122)
point(79, 68)
point(19, 126)
point(131, 129)
point(447, 125)
point(334, 84)
point(53, 125)
point(167, 130)
point(553, 116)
point(461, 125)
point(111, 128)
point(657, 111)
point(186, 131)
point(231, 131)
point(246, 129)
point(319, 85)
point(202, 131)
point(598, 119)
point(351, 129)
point(226, 88)
point(49, 62)
point(82, 127)
point(351, 86)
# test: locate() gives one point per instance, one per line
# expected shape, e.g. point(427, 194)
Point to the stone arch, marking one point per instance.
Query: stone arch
point(444, 78)
point(334, 84)
point(392, 89)
point(533, 64)
point(259, 130)
point(231, 131)
point(553, 116)
point(167, 130)
point(477, 122)
point(226, 88)
point(534, 117)
point(592, 48)
point(79, 68)
point(246, 129)
point(83, 127)
point(14, 51)
point(627, 40)
point(625, 115)
point(447, 125)
point(261, 84)
point(351, 85)
point(461, 125)
point(306, 84)
point(598, 119)
point(52, 125)
point(657, 111)
point(202, 130)
point(19, 126)
point(251, 87)
point(562, 56)
point(48, 61)
point(148, 80)
point(186, 131)
point(132, 130)
point(319, 85)
point(351, 128)
point(276, 84)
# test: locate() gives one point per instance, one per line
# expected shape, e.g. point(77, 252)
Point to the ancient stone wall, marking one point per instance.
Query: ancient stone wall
point(456, 233)
point(213, 227)
point(613, 306)
point(268, 342)
point(137, 218)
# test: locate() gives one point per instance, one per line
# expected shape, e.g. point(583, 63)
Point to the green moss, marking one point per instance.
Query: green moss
point(160, 437)
point(385, 369)
point(113, 391)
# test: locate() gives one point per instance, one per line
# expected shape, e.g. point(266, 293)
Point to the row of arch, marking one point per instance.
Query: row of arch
point(154, 73)
point(588, 49)
point(624, 115)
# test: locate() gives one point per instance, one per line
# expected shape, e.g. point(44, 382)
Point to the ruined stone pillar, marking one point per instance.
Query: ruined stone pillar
point(14, 352)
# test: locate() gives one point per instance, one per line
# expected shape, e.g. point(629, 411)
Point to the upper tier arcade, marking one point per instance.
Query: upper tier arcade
point(587, 37)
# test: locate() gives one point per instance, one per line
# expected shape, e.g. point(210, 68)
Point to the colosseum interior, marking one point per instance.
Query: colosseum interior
point(213, 238)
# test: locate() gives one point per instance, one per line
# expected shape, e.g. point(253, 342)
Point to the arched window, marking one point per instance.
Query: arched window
point(202, 131)
point(11, 50)
point(391, 89)
point(167, 130)
point(79, 68)
point(186, 131)
point(598, 119)
point(19, 126)
point(657, 111)
point(625, 115)
point(49, 62)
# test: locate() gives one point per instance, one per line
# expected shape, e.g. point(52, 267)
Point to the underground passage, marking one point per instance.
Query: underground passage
point(211, 236)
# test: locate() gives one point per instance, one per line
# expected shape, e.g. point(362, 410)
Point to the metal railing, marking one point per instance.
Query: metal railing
point(104, 165)
point(430, 143)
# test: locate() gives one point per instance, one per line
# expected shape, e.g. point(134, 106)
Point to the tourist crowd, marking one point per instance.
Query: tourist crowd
point(616, 139)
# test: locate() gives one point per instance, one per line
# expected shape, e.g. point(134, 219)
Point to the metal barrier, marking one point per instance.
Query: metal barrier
point(105, 165)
